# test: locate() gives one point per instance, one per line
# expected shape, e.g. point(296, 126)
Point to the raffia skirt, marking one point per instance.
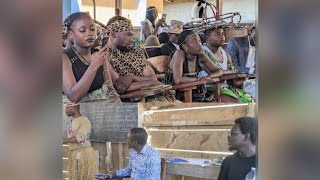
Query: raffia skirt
point(82, 166)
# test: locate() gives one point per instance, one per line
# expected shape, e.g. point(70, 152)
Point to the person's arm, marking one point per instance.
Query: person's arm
point(75, 91)
point(70, 140)
point(126, 171)
point(82, 134)
point(177, 68)
point(232, 69)
point(212, 69)
point(146, 29)
point(153, 167)
point(233, 50)
point(149, 78)
point(131, 82)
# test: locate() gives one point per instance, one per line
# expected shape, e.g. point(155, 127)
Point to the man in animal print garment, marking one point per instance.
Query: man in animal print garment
point(128, 67)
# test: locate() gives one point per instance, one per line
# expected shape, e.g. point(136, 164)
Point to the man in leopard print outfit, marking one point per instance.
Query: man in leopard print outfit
point(128, 67)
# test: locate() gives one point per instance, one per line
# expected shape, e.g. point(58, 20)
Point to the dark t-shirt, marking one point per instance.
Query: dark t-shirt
point(236, 167)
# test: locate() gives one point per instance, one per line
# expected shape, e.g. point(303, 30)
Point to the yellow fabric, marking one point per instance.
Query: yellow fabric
point(81, 129)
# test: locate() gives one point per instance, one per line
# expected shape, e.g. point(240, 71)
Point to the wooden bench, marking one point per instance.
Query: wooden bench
point(141, 94)
point(187, 88)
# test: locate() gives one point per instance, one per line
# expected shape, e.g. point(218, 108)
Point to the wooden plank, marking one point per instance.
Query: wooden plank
point(188, 95)
point(203, 140)
point(168, 153)
point(174, 128)
point(145, 93)
point(102, 154)
point(163, 106)
point(185, 85)
point(217, 92)
point(209, 172)
point(223, 114)
point(121, 155)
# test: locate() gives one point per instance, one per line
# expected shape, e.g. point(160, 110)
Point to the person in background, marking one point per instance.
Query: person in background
point(144, 160)
point(232, 90)
point(243, 139)
point(185, 64)
point(152, 46)
point(117, 12)
point(243, 52)
point(172, 44)
point(82, 163)
point(163, 37)
point(150, 26)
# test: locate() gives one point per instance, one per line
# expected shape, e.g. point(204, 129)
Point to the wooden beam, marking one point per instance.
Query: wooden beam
point(121, 156)
point(209, 172)
point(219, 6)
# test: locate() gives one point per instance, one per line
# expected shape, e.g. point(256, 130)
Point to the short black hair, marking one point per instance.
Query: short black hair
point(140, 135)
point(248, 125)
point(163, 37)
point(68, 22)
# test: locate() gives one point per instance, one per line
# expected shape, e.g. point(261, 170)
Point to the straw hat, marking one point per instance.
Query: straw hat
point(152, 41)
point(176, 27)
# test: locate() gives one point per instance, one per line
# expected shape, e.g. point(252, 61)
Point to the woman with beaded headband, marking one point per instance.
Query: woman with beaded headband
point(149, 26)
point(188, 61)
point(84, 78)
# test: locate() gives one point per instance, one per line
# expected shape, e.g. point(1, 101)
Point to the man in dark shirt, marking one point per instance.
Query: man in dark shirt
point(243, 139)
point(172, 45)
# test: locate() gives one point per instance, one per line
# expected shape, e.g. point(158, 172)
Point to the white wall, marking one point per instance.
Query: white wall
point(181, 9)
point(247, 9)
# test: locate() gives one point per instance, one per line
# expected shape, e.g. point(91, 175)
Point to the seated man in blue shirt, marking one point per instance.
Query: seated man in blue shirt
point(144, 161)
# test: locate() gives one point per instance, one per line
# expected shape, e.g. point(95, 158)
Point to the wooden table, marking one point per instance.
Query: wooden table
point(140, 94)
point(188, 87)
point(208, 172)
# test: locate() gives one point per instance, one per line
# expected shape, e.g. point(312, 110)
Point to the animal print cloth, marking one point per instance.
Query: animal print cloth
point(125, 63)
point(119, 26)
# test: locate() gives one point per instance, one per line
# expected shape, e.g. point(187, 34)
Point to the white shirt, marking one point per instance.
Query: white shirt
point(251, 58)
point(176, 45)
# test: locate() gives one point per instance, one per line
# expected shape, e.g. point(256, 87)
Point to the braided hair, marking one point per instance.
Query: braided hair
point(68, 22)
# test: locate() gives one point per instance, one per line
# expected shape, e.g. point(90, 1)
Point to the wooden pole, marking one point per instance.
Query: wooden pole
point(219, 6)
point(94, 9)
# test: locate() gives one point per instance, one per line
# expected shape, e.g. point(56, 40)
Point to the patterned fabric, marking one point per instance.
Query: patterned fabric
point(119, 26)
point(100, 94)
point(124, 63)
point(238, 94)
point(145, 165)
point(137, 43)
point(80, 128)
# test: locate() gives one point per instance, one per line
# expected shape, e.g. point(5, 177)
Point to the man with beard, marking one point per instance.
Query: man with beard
point(243, 139)
point(127, 65)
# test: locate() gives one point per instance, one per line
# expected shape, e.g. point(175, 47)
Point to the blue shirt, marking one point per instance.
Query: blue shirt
point(145, 165)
